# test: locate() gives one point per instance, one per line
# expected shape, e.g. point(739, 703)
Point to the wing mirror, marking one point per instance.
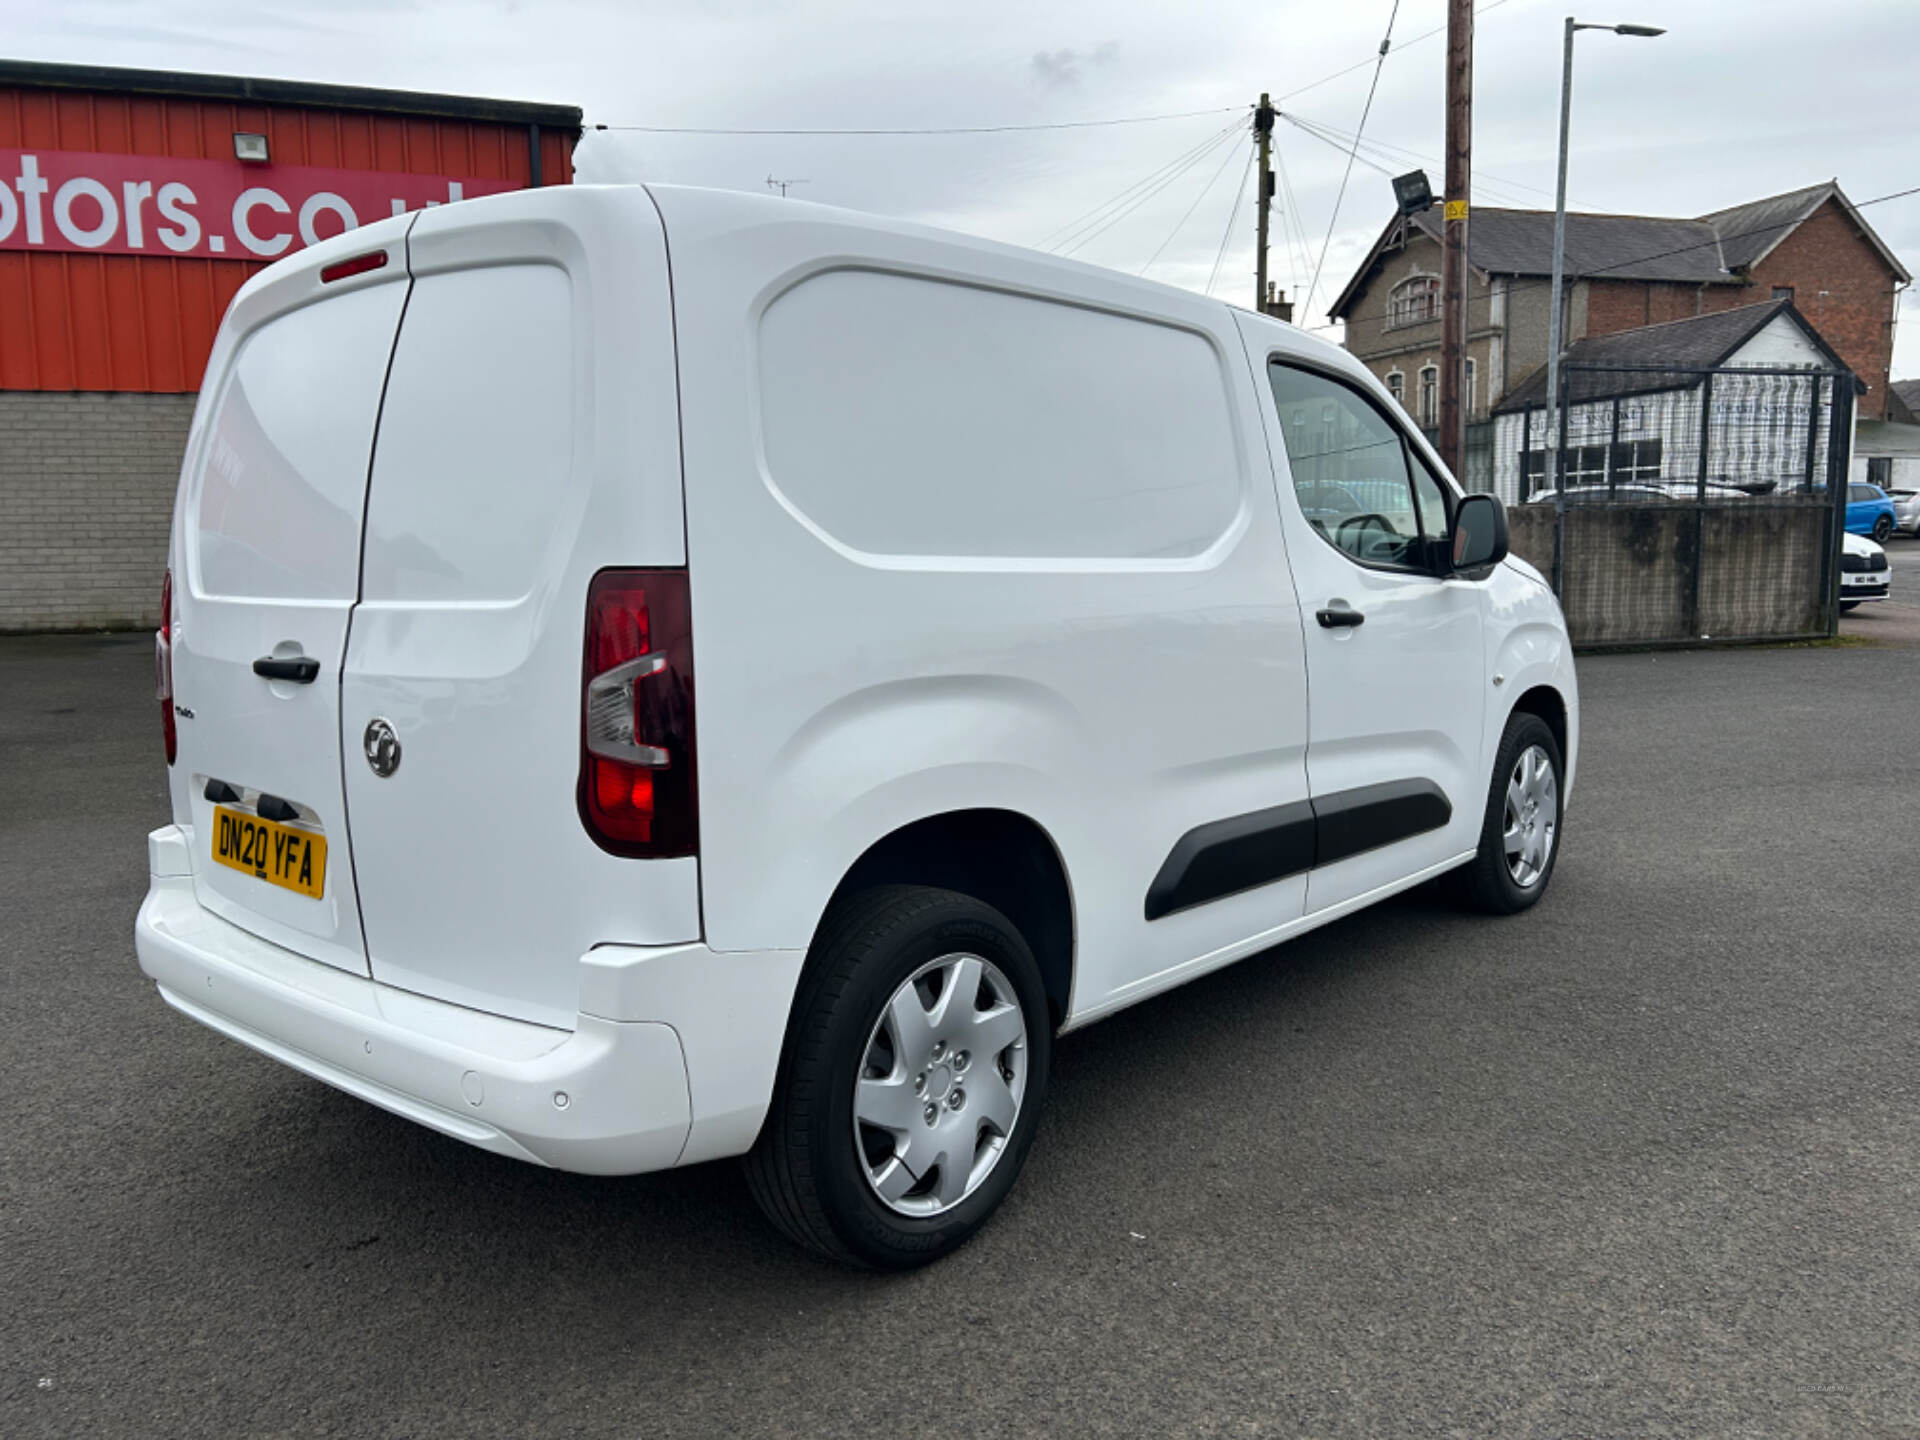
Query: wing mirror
point(1479, 532)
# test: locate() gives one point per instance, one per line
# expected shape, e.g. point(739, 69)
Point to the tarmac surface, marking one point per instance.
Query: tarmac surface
point(1643, 1161)
point(1896, 619)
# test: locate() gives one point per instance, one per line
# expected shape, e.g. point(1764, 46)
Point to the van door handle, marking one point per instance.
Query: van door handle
point(1339, 614)
point(297, 668)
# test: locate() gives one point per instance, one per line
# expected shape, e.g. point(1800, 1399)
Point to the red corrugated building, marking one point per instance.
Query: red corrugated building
point(133, 204)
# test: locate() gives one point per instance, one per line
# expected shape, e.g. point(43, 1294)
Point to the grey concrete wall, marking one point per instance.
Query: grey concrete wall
point(86, 498)
point(1628, 576)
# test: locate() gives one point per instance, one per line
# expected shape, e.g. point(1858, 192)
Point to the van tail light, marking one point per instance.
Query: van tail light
point(163, 668)
point(637, 780)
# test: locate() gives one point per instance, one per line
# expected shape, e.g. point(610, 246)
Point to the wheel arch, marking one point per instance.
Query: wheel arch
point(1548, 703)
point(1000, 857)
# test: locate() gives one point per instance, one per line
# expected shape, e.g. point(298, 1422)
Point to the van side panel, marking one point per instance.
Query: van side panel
point(1063, 592)
point(529, 438)
point(873, 388)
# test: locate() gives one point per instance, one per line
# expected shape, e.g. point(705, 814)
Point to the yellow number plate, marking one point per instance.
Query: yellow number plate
point(283, 855)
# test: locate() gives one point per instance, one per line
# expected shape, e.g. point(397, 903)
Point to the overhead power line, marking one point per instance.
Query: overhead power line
point(1062, 233)
point(1391, 151)
point(1101, 227)
point(1299, 247)
point(1341, 140)
point(1187, 215)
point(1379, 64)
point(1737, 235)
point(1239, 194)
point(1371, 60)
point(919, 129)
point(1771, 227)
point(1350, 148)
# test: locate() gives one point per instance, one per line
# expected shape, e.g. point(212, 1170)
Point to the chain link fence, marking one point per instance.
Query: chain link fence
point(1691, 505)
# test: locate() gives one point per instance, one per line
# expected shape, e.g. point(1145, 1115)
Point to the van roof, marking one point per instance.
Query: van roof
point(774, 209)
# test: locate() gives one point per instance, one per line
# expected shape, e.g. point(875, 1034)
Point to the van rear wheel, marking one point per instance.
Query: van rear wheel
point(911, 1082)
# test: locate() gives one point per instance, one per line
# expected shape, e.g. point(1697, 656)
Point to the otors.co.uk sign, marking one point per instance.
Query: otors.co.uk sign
point(151, 205)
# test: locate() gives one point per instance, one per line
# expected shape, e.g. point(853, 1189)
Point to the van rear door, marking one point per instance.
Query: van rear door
point(268, 534)
point(529, 439)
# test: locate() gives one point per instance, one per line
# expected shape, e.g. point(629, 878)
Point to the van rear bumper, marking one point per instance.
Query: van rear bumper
point(615, 1095)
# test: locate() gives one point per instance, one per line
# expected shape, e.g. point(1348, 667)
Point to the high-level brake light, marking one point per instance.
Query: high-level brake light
point(358, 265)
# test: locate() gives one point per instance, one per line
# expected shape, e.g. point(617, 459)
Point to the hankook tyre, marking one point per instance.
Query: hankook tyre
point(911, 1080)
point(1520, 835)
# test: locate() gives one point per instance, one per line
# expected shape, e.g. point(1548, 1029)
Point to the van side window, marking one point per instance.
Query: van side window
point(1430, 496)
point(1350, 472)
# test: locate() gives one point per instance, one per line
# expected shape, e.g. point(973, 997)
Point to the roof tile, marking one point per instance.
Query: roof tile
point(1696, 343)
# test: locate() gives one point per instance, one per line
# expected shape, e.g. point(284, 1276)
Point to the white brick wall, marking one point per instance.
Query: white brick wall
point(86, 496)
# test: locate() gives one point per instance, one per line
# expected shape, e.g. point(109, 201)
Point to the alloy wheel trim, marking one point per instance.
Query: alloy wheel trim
point(940, 1085)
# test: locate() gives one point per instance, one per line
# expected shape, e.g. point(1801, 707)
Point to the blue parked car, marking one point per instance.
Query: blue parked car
point(1869, 511)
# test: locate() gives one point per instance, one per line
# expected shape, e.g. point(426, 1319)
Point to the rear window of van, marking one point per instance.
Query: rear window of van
point(283, 471)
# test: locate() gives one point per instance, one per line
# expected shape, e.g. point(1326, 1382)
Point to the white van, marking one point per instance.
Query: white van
point(655, 674)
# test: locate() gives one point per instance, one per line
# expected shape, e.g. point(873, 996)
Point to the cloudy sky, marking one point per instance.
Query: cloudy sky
point(1741, 98)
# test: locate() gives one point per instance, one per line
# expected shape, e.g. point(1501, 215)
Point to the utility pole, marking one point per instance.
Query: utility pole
point(1454, 275)
point(1263, 141)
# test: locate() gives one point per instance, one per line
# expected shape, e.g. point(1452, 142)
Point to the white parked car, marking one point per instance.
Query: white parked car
point(1906, 511)
point(1006, 582)
point(1864, 574)
point(1642, 492)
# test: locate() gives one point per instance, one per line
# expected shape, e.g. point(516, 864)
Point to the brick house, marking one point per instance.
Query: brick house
point(1810, 246)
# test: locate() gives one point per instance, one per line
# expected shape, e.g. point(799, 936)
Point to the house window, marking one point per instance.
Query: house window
point(1470, 389)
point(1429, 396)
point(1880, 471)
point(1783, 292)
point(1414, 301)
point(1585, 465)
point(1397, 387)
point(1533, 472)
point(1636, 461)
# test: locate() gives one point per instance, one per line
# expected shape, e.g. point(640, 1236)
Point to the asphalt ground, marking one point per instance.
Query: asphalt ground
point(1895, 620)
point(1643, 1161)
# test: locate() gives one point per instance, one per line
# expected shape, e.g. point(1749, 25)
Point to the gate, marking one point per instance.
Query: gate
point(1693, 505)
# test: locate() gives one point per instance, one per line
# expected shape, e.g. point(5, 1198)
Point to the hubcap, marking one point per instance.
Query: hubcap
point(1532, 817)
point(940, 1085)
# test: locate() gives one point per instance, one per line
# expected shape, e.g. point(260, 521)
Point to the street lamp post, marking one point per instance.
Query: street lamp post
point(1551, 443)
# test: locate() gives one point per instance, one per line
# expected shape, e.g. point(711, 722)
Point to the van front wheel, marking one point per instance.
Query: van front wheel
point(911, 1082)
point(1520, 833)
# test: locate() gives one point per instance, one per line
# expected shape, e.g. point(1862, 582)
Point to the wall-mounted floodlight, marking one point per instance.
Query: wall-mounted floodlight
point(1412, 193)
